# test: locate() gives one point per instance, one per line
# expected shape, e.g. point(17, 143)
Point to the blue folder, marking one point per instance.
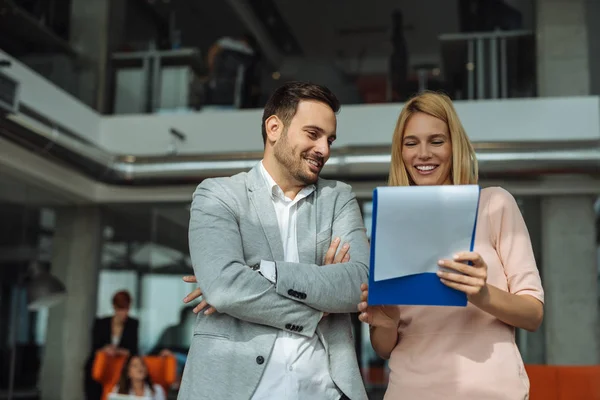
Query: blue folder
point(423, 289)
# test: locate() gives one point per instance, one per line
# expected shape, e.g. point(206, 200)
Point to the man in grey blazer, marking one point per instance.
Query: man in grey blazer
point(282, 326)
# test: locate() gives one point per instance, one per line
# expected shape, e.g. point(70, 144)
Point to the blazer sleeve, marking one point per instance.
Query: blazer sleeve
point(227, 283)
point(513, 245)
point(332, 288)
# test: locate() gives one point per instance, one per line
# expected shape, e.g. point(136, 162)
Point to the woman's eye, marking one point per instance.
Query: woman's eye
point(409, 144)
point(437, 142)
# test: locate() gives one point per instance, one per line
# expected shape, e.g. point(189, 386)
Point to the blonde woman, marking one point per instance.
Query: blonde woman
point(456, 352)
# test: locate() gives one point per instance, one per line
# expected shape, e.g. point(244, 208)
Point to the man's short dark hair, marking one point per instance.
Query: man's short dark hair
point(284, 101)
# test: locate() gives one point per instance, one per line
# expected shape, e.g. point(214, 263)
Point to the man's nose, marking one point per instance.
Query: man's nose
point(322, 147)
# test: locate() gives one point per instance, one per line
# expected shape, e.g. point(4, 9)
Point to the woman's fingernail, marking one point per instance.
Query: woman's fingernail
point(455, 256)
point(346, 245)
point(441, 262)
point(337, 239)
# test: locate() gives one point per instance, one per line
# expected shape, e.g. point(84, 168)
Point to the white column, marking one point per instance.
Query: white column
point(75, 259)
point(593, 33)
point(562, 48)
point(570, 276)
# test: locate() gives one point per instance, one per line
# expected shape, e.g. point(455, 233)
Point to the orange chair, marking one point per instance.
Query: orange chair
point(564, 382)
point(162, 370)
point(107, 370)
point(579, 382)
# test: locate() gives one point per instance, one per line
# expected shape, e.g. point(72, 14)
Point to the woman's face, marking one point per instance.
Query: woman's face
point(121, 313)
point(427, 150)
point(137, 369)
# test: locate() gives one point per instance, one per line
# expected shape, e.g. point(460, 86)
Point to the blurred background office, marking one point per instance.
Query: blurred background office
point(112, 111)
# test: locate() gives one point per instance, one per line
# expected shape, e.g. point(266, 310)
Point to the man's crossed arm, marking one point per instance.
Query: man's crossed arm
point(333, 256)
point(231, 287)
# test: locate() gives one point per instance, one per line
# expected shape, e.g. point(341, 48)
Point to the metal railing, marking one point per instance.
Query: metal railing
point(488, 60)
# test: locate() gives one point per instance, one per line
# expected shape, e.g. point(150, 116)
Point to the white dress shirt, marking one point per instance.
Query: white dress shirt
point(298, 367)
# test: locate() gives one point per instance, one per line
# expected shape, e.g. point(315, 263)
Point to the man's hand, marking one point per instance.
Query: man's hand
point(331, 257)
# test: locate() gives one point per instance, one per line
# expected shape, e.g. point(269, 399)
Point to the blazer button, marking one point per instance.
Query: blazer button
point(260, 360)
point(291, 292)
point(302, 296)
point(288, 326)
point(300, 328)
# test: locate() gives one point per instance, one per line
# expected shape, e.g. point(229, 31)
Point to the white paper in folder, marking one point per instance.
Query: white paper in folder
point(418, 225)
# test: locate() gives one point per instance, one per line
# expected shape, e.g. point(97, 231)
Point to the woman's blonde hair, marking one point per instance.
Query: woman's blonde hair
point(464, 161)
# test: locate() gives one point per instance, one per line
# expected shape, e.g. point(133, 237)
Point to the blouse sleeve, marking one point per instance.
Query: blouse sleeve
point(513, 245)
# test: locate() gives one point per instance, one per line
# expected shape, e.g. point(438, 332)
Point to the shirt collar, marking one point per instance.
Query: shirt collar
point(275, 190)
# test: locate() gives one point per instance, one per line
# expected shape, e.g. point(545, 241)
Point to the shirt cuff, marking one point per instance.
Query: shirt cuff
point(268, 270)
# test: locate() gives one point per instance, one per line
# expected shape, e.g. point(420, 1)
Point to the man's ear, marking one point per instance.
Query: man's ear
point(274, 128)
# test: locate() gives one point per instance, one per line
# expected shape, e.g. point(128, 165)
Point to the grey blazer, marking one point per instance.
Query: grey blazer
point(233, 225)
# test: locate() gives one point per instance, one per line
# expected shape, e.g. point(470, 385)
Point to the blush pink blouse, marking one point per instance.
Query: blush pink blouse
point(463, 352)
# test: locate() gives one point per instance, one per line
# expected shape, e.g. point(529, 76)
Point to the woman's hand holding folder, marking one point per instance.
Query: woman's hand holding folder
point(383, 323)
point(469, 275)
point(377, 316)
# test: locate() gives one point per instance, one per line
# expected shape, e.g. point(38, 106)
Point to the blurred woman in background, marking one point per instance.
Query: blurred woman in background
point(116, 334)
point(136, 381)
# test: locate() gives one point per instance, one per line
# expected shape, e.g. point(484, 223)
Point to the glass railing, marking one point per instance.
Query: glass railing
point(474, 66)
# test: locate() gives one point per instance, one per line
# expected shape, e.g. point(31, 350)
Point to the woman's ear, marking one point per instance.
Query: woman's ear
point(274, 128)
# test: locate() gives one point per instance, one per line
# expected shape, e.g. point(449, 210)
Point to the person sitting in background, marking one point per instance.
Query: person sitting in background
point(136, 381)
point(117, 334)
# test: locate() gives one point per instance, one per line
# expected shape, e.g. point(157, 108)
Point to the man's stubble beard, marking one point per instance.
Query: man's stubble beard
point(292, 163)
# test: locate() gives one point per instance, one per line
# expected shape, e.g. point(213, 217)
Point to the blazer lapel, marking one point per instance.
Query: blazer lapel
point(306, 229)
point(263, 206)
